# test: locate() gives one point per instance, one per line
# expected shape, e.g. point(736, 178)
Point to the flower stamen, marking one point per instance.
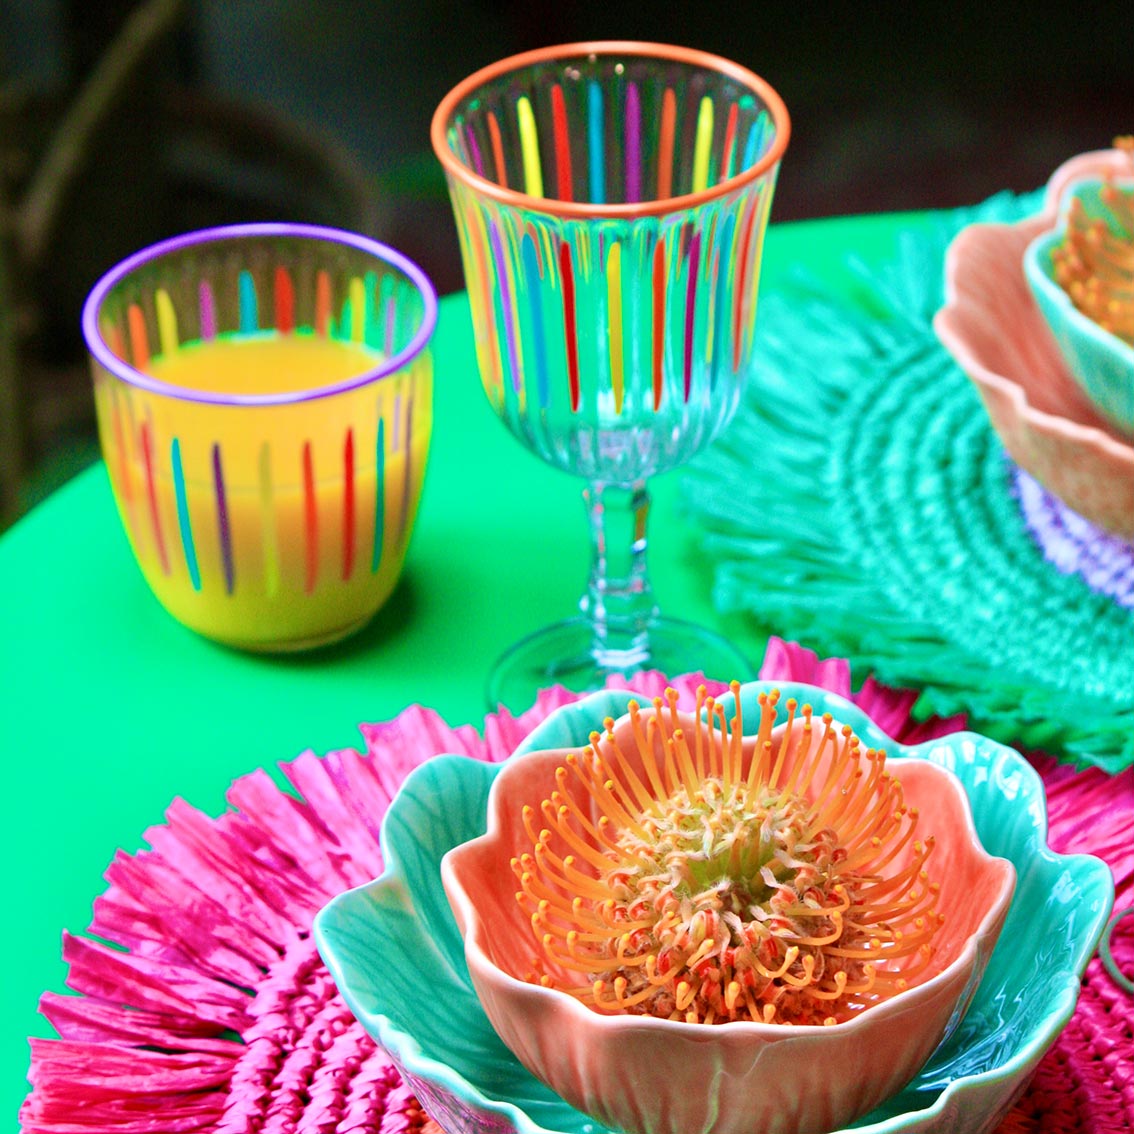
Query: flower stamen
point(689, 872)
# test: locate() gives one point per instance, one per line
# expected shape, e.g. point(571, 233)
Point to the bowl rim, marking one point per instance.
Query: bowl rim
point(581, 1016)
point(109, 361)
point(1091, 164)
point(945, 324)
point(631, 210)
point(413, 1061)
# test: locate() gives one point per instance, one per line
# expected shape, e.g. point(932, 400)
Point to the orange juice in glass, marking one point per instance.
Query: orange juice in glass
point(264, 399)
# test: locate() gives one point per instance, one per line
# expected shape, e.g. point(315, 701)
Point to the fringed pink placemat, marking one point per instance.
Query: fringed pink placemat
point(215, 1013)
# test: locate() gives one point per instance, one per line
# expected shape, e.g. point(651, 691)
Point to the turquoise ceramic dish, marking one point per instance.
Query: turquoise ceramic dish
point(394, 950)
point(1101, 363)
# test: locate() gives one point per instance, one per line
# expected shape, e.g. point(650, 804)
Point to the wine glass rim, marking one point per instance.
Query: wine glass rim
point(625, 210)
point(109, 361)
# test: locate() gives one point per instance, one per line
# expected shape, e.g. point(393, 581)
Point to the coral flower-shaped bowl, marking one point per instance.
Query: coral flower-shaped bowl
point(712, 928)
point(399, 957)
point(992, 326)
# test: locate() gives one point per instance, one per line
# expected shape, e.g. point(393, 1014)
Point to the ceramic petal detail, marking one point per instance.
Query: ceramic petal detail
point(994, 329)
point(787, 1055)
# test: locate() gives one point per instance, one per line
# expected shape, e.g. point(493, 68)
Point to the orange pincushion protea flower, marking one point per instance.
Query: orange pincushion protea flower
point(683, 871)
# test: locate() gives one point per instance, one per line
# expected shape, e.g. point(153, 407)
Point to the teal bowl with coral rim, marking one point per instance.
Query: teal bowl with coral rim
point(1100, 360)
point(395, 951)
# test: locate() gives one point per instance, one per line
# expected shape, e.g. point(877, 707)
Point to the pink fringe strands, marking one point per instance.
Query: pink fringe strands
point(214, 1011)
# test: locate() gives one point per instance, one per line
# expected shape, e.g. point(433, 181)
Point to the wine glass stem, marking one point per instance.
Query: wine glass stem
point(618, 601)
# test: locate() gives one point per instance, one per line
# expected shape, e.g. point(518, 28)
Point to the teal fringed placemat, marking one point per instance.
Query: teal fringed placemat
point(862, 503)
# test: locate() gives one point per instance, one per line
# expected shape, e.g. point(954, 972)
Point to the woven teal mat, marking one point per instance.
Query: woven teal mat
point(862, 504)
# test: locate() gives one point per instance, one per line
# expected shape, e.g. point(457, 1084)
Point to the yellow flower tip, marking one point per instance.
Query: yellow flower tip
point(732, 995)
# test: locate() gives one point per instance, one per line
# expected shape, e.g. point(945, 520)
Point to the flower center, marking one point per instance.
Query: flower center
point(727, 880)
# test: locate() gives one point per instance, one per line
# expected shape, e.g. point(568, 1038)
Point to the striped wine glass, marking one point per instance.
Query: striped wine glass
point(611, 201)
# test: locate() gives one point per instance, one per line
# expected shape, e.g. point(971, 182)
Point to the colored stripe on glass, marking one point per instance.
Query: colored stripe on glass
point(348, 505)
point(310, 520)
point(284, 301)
point(729, 162)
point(166, 321)
point(702, 144)
point(224, 527)
point(497, 144)
point(504, 291)
point(596, 167)
point(633, 130)
point(208, 310)
point(357, 294)
point(569, 332)
point(379, 492)
point(691, 311)
point(139, 343)
point(248, 302)
point(322, 302)
point(183, 522)
point(658, 322)
point(614, 317)
point(562, 143)
point(529, 147)
point(665, 144)
point(530, 260)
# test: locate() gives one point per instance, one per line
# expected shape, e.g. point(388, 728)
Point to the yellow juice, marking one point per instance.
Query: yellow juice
point(269, 526)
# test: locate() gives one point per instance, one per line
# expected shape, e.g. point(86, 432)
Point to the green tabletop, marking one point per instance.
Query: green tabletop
point(109, 709)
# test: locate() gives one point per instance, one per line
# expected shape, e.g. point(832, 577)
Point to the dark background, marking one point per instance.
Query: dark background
point(173, 114)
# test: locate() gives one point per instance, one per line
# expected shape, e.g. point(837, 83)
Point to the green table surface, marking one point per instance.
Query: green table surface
point(109, 709)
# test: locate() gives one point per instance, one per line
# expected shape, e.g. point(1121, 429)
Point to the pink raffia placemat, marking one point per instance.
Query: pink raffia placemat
point(216, 1013)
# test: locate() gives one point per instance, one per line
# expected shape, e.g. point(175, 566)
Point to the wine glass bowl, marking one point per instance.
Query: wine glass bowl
point(611, 201)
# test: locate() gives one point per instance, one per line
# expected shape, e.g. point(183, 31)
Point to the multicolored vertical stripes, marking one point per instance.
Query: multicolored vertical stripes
point(224, 527)
point(603, 318)
point(198, 517)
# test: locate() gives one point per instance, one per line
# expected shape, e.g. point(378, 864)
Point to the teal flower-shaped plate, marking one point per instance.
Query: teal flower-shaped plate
point(395, 953)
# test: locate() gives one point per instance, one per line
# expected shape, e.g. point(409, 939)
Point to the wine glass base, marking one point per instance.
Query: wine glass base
point(564, 654)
